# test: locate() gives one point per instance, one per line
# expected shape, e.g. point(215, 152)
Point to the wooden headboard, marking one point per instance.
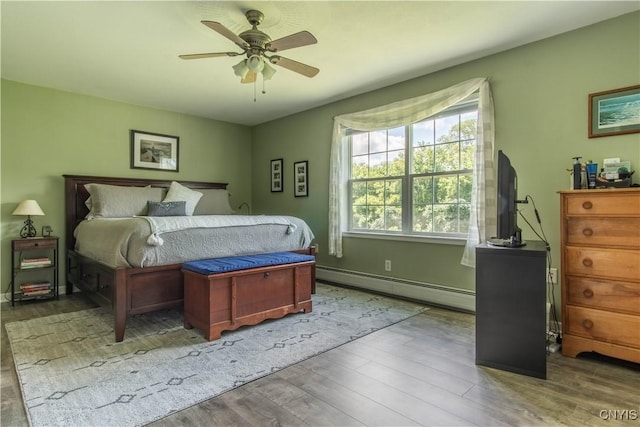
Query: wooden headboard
point(75, 195)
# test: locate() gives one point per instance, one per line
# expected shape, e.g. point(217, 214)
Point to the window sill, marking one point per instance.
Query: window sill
point(458, 241)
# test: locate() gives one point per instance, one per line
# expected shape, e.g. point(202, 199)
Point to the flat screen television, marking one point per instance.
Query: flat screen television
point(508, 233)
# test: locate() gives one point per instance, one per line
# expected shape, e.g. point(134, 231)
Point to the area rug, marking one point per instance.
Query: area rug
point(72, 373)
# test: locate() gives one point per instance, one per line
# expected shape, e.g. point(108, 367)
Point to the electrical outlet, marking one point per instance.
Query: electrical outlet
point(387, 265)
point(552, 276)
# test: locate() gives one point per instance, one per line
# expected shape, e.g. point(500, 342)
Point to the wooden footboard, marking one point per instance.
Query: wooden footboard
point(127, 291)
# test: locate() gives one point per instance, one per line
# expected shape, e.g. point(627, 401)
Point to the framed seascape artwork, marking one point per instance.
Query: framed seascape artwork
point(276, 176)
point(154, 151)
point(614, 112)
point(301, 179)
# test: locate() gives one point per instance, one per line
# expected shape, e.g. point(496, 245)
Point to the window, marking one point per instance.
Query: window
point(415, 179)
point(405, 114)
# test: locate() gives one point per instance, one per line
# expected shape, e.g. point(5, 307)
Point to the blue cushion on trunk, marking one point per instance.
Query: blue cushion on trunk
point(234, 263)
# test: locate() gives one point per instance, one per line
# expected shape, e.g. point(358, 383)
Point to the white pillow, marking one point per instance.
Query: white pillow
point(214, 202)
point(115, 201)
point(178, 193)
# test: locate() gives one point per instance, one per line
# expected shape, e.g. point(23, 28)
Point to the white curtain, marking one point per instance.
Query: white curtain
point(403, 113)
point(483, 190)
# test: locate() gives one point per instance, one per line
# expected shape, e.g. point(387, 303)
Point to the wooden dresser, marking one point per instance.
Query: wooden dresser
point(601, 272)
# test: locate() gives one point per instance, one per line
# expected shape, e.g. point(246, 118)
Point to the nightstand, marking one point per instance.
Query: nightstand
point(34, 268)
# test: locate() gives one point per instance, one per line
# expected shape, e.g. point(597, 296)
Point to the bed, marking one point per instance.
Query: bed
point(151, 282)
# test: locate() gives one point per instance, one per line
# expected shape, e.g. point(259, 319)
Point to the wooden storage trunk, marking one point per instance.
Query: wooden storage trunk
point(226, 301)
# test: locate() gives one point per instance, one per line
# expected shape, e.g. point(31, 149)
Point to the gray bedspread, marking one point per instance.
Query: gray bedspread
point(125, 242)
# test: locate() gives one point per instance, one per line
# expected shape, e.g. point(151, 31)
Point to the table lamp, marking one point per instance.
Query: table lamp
point(28, 208)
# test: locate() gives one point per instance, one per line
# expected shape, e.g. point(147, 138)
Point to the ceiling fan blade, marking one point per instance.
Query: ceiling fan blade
point(250, 77)
point(208, 55)
point(218, 27)
point(303, 38)
point(298, 67)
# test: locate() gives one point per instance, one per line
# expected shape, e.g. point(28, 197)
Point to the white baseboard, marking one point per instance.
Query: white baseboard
point(459, 299)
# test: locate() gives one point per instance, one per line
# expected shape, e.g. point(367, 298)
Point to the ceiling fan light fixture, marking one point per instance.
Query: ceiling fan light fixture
point(240, 69)
point(267, 72)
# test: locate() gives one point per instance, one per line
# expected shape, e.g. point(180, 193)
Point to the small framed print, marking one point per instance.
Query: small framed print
point(154, 151)
point(614, 112)
point(301, 179)
point(276, 176)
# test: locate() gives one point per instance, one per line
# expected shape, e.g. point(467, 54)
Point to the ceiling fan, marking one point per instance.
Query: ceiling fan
point(260, 50)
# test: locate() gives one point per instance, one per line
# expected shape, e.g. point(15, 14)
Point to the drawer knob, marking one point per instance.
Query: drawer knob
point(587, 232)
point(588, 293)
point(587, 262)
point(587, 205)
point(267, 274)
point(588, 324)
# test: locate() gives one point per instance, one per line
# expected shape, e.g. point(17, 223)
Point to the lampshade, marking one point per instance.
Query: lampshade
point(267, 71)
point(28, 207)
point(241, 69)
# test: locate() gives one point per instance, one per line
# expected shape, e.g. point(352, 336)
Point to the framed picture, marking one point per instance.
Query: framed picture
point(276, 176)
point(154, 151)
point(614, 112)
point(301, 179)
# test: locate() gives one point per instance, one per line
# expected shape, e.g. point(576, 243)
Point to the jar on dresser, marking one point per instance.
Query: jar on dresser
point(601, 272)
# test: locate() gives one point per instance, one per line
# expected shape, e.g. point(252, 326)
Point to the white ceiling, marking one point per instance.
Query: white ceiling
point(128, 51)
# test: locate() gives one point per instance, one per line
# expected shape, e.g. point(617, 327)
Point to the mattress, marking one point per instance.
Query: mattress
point(141, 242)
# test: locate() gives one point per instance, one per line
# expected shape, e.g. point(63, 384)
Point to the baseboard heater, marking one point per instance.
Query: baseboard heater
point(444, 296)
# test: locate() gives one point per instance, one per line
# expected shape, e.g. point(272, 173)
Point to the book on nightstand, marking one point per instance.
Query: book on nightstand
point(35, 288)
point(34, 262)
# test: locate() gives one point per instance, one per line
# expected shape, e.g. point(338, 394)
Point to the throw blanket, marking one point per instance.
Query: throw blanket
point(167, 224)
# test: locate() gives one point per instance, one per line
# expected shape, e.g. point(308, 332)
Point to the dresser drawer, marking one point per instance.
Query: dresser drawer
point(616, 328)
point(593, 231)
point(604, 294)
point(610, 202)
point(608, 263)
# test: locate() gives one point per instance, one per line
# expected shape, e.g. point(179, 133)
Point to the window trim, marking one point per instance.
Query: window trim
point(444, 240)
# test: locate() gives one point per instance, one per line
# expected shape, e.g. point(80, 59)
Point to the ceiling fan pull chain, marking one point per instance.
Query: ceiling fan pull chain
point(264, 85)
point(254, 91)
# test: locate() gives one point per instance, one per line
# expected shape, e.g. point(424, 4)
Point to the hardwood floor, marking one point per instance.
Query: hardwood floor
point(417, 372)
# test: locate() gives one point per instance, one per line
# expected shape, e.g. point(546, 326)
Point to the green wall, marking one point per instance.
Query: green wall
point(47, 133)
point(540, 94)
